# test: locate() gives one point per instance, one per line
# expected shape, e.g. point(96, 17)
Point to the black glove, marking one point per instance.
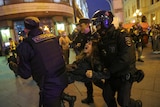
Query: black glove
point(139, 75)
point(12, 59)
point(107, 73)
point(13, 66)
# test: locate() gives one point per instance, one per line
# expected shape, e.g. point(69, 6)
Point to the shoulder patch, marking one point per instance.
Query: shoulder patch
point(128, 41)
point(42, 37)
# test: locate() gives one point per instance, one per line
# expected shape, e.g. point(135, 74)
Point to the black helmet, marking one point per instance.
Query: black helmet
point(102, 17)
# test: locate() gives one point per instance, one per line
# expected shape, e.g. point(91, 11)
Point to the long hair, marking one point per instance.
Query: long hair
point(94, 54)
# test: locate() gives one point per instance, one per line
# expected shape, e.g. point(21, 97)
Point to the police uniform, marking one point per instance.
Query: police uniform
point(118, 56)
point(40, 56)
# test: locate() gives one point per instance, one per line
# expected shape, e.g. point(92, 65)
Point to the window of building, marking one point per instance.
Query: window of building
point(1, 3)
point(57, 1)
point(60, 26)
point(28, 0)
point(5, 34)
point(19, 28)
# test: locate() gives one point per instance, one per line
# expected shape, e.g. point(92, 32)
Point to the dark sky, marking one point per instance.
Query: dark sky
point(94, 5)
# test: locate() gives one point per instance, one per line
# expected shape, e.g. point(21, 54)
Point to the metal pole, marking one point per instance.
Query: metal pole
point(110, 4)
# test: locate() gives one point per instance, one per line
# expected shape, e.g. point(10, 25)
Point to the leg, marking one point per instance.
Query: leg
point(54, 102)
point(124, 93)
point(123, 97)
point(89, 98)
point(69, 99)
point(139, 50)
point(99, 83)
point(108, 95)
point(135, 103)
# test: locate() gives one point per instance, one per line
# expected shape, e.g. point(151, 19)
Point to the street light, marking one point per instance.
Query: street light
point(137, 14)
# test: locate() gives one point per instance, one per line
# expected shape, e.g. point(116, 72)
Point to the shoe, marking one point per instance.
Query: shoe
point(87, 100)
point(140, 60)
point(155, 52)
point(158, 52)
point(70, 99)
point(139, 103)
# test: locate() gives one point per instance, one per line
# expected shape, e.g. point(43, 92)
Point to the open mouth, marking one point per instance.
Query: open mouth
point(86, 47)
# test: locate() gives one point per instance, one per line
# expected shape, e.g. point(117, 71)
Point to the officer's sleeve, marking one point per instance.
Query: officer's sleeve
point(24, 52)
point(123, 60)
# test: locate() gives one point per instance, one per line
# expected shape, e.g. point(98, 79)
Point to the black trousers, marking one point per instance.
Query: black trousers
point(123, 89)
point(89, 87)
point(56, 102)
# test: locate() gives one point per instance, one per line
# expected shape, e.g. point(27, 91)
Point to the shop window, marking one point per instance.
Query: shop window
point(60, 26)
point(19, 28)
point(5, 34)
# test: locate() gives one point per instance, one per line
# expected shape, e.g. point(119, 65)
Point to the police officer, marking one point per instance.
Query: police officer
point(137, 34)
point(83, 37)
point(36, 59)
point(118, 55)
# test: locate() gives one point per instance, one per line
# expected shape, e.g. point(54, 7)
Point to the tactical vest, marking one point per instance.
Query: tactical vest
point(48, 59)
point(108, 46)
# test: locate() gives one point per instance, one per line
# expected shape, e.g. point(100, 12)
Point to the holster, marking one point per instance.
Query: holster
point(136, 77)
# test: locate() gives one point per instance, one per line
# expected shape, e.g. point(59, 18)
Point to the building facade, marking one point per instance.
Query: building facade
point(142, 11)
point(118, 11)
point(54, 15)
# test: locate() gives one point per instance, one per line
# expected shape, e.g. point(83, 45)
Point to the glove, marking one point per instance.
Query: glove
point(139, 75)
point(13, 66)
point(107, 73)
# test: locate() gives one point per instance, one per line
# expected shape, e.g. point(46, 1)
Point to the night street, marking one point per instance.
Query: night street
point(17, 92)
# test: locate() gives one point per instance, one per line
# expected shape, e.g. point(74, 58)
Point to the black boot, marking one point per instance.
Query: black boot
point(62, 103)
point(89, 98)
point(69, 99)
point(139, 103)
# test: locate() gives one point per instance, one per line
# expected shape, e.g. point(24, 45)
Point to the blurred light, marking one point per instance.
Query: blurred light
point(154, 18)
point(60, 26)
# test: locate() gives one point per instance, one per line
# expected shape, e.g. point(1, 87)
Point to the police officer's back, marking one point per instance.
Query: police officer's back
point(40, 57)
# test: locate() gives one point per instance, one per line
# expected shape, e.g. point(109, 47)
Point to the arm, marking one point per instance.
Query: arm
point(124, 55)
point(24, 52)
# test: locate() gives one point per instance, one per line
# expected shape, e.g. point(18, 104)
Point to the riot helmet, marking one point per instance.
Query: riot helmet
point(103, 18)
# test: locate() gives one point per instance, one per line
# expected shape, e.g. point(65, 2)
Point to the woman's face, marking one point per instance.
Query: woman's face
point(88, 48)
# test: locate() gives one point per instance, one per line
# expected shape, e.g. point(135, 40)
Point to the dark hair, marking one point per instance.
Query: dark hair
point(94, 53)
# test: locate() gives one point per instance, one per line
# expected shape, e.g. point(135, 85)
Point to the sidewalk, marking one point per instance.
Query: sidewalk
point(17, 92)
